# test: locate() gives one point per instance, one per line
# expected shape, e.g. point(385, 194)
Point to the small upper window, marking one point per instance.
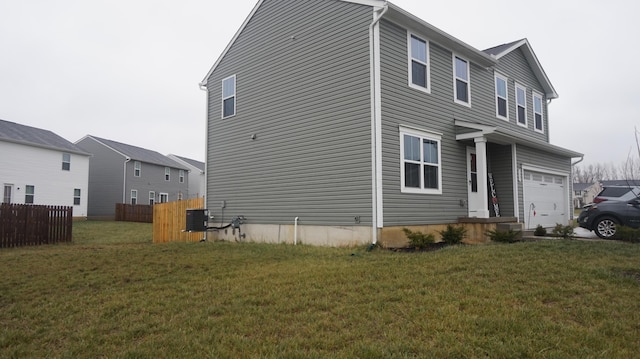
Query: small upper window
point(76, 196)
point(181, 176)
point(521, 105)
point(229, 96)
point(137, 168)
point(502, 103)
point(420, 162)
point(418, 63)
point(461, 81)
point(537, 112)
point(29, 194)
point(66, 162)
point(167, 174)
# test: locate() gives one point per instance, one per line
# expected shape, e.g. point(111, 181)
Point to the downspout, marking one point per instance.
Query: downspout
point(374, 121)
point(203, 87)
point(295, 231)
point(124, 180)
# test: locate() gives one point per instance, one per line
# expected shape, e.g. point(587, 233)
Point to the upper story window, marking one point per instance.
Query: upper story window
point(420, 162)
point(29, 194)
point(167, 174)
point(134, 196)
point(538, 124)
point(462, 90)
point(66, 162)
point(521, 105)
point(418, 63)
point(229, 96)
point(137, 168)
point(502, 102)
point(76, 196)
point(181, 176)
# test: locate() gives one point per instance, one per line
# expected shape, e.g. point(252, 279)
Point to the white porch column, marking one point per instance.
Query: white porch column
point(481, 164)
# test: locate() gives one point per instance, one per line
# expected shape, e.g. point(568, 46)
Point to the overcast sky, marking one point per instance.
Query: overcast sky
point(128, 70)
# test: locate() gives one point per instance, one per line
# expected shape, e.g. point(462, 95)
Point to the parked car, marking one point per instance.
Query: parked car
point(603, 218)
point(617, 193)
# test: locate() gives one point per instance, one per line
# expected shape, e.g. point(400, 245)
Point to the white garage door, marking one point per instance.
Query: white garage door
point(545, 199)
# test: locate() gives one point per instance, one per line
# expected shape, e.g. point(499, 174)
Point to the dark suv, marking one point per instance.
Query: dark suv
point(603, 217)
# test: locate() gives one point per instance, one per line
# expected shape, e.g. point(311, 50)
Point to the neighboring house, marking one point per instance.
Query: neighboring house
point(350, 120)
point(620, 183)
point(584, 193)
point(121, 173)
point(196, 175)
point(39, 167)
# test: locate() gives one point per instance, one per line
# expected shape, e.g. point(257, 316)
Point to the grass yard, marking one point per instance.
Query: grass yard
point(114, 294)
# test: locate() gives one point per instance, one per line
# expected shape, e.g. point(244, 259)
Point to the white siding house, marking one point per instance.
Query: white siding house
point(39, 167)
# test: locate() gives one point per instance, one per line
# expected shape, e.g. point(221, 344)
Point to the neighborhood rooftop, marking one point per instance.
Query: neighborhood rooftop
point(21, 134)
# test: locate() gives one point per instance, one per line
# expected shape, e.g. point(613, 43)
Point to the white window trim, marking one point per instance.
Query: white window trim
point(455, 78)
point(427, 64)
point(506, 83)
point(422, 134)
point(538, 95)
point(235, 98)
point(167, 174)
point(137, 164)
point(152, 196)
point(181, 176)
point(79, 196)
point(165, 195)
point(524, 89)
point(134, 195)
point(66, 162)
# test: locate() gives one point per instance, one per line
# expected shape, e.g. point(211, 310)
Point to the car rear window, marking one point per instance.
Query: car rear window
point(614, 191)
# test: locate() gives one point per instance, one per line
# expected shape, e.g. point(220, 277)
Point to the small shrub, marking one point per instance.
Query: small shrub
point(508, 236)
point(565, 232)
point(453, 234)
point(419, 240)
point(627, 234)
point(540, 231)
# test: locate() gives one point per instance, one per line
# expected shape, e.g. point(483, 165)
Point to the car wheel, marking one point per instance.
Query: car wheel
point(605, 227)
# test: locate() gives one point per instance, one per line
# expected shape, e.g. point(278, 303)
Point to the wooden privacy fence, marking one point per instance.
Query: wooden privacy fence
point(30, 225)
point(170, 220)
point(134, 212)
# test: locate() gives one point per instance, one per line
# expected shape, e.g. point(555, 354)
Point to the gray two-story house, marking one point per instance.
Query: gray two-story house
point(342, 122)
point(122, 173)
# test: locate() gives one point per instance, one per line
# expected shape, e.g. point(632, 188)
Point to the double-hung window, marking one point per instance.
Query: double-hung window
point(152, 197)
point(538, 125)
point(66, 162)
point(181, 176)
point(521, 105)
point(229, 96)
point(76, 196)
point(134, 196)
point(502, 102)
point(167, 174)
point(462, 90)
point(137, 168)
point(420, 161)
point(29, 194)
point(418, 63)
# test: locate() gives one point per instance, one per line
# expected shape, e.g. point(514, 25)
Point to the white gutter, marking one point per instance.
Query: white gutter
point(374, 63)
point(295, 231)
point(124, 180)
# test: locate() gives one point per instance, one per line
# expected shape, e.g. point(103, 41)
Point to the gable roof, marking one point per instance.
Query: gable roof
point(197, 164)
point(32, 136)
point(500, 51)
point(394, 14)
point(582, 186)
point(622, 183)
point(137, 153)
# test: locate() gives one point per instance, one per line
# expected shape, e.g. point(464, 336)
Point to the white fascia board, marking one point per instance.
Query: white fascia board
point(203, 84)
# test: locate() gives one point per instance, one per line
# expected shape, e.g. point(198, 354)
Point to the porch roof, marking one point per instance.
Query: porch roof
point(469, 130)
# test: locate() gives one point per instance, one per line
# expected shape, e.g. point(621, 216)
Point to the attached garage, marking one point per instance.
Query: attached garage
point(545, 199)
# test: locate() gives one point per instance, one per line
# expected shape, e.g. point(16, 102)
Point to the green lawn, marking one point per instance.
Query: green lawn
point(114, 294)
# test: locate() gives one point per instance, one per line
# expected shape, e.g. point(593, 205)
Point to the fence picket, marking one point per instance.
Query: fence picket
point(30, 225)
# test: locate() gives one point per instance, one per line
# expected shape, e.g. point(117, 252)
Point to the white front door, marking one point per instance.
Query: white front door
point(475, 202)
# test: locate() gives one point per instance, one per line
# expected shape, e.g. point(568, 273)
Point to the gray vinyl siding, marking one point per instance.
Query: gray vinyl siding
point(516, 68)
point(152, 179)
point(529, 156)
point(501, 166)
point(105, 178)
point(402, 105)
point(302, 88)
